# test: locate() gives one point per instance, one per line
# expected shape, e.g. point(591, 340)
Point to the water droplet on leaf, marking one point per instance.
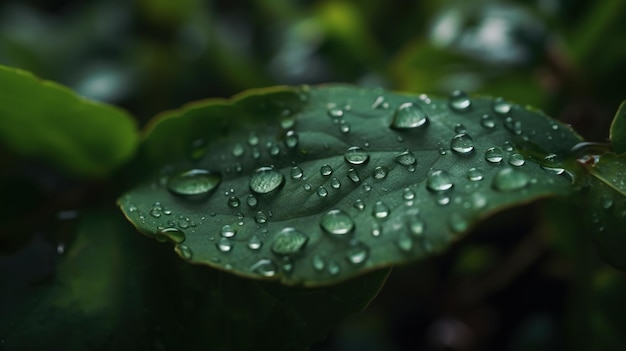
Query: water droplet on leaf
point(194, 182)
point(494, 155)
point(510, 179)
point(337, 223)
point(289, 241)
point(409, 116)
point(356, 156)
point(265, 180)
point(439, 181)
point(460, 101)
point(380, 210)
point(462, 144)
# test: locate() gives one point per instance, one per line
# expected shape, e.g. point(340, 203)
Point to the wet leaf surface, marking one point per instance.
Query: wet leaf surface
point(617, 133)
point(315, 185)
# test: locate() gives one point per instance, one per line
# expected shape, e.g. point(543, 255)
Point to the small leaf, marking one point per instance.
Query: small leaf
point(45, 120)
point(618, 130)
point(316, 185)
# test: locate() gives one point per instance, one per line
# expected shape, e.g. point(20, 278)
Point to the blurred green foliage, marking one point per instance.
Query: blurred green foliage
point(536, 285)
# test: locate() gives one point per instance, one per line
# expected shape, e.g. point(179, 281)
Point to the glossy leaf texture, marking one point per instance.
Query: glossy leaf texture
point(111, 289)
point(315, 185)
point(606, 207)
point(47, 121)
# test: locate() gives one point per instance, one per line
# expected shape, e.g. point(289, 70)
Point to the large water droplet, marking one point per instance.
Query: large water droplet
point(356, 156)
point(494, 155)
point(408, 116)
point(173, 235)
point(326, 170)
point(228, 231)
point(462, 144)
point(510, 179)
point(264, 267)
point(289, 241)
point(501, 107)
point(380, 210)
point(265, 180)
point(439, 181)
point(195, 182)
point(358, 253)
point(460, 101)
point(337, 223)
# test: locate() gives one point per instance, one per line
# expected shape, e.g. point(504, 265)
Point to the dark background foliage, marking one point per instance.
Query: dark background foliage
point(526, 279)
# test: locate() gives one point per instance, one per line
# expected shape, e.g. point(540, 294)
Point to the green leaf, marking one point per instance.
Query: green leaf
point(316, 185)
point(606, 207)
point(617, 134)
point(114, 290)
point(45, 120)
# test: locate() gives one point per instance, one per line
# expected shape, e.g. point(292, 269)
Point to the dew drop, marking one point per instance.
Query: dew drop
point(439, 181)
point(404, 242)
point(224, 245)
point(359, 205)
point(474, 174)
point(296, 172)
point(264, 267)
point(233, 202)
point(487, 121)
point(228, 231)
point(335, 113)
point(255, 243)
point(289, 241)
point(512, 125)
point(380, 210)
point(344, 127)
point(353, 175)
point(265, 180)
point(407, 158)
point(417, 227)
point(408, 194)
point(356, 156)
point(334, 268)
point(337, 223)
point(291, 139)
point(462, 144)
point(460, 129)
point(238, 150)
point(251, 200)
point(260, 217)
point(306, 186)
point(501, 107)
point(358, 253)
point(510, 179)
point(194, 182)
point(322, 192)
point(606, 202)
point(408, 116)
point(380, 172)
point(326, 170)
point(552, 165)
point(274, 150)
point(171, 234)
point(516, 160)
point(184, 251)
point(494, 155)
point(318, 263)
point(335, 183)
point(460, 101)
point(457, 223)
